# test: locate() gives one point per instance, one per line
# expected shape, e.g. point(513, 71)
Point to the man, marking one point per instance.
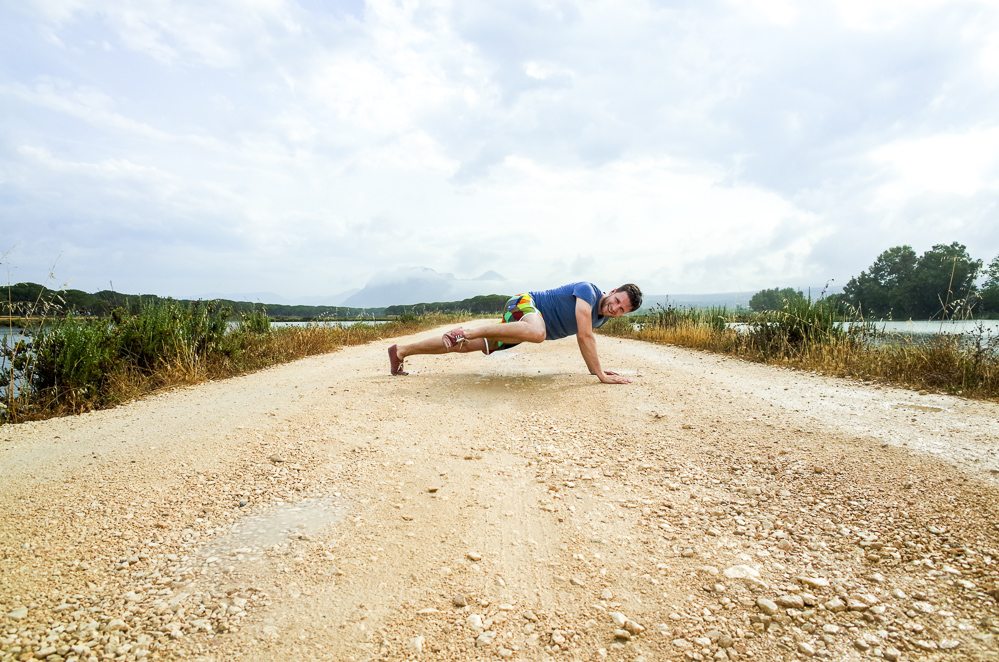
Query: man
point(573, 309)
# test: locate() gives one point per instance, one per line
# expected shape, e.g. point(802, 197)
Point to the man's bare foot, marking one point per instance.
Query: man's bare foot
point(454, 339)
point(395, 363)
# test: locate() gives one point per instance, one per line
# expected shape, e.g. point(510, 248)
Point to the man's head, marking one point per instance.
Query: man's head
point(621, 300)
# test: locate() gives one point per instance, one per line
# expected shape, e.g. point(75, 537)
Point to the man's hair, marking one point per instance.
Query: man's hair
point(634, 295)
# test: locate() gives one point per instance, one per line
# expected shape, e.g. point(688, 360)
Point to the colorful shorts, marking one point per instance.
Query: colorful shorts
point(516, 307)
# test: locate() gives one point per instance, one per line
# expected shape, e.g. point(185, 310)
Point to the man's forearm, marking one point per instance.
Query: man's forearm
point(588, 348)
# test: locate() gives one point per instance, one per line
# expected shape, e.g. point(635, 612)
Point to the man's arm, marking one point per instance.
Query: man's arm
point(588, 344)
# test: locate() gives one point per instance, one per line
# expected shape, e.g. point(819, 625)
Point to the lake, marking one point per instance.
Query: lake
point(987, 328)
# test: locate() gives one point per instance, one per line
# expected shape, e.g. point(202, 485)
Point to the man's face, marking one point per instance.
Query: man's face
point(615, 304)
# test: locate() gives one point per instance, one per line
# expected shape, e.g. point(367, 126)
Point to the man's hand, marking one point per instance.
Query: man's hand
point(614, 378)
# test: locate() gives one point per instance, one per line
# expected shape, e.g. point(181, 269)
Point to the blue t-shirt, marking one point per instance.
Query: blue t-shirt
point(558, 307)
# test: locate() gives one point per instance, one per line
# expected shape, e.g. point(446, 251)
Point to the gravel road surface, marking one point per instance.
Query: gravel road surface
point(506, 507)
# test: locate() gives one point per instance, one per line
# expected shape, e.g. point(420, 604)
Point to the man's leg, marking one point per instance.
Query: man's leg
point(434, 345)
point(529, 328)
point(521, 323)
point(429, 346)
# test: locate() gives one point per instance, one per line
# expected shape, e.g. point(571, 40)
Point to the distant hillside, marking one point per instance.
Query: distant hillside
point(33, 299)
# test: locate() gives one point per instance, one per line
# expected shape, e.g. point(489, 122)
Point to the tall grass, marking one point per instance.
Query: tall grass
point(71, 364)
point(809, 335)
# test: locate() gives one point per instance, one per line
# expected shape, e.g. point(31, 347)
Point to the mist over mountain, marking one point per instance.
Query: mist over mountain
point(423, 285)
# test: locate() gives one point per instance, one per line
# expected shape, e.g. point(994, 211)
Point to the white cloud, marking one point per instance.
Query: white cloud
point(960, 164)
point(685, 146)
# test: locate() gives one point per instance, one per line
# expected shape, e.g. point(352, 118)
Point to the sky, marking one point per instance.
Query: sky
point(306, 148)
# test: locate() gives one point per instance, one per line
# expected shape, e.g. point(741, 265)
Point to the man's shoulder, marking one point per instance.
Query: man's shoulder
point(586, 291)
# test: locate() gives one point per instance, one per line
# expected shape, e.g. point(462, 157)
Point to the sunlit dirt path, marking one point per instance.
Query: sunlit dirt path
point(506, 507)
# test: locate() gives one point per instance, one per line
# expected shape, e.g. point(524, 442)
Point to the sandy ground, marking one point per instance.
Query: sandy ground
point(506, 507)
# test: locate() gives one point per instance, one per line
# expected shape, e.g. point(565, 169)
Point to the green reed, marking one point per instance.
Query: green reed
point(72, 364)
point(810, 335)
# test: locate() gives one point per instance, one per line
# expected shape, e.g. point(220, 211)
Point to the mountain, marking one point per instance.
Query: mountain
point(410, 285)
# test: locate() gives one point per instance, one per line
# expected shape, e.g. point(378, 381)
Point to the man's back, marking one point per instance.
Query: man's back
point(558, 308)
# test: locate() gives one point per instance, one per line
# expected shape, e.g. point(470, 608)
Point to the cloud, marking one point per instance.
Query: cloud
point(301, 148)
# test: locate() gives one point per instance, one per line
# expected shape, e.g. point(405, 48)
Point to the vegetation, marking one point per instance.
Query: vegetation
point(24, 296)
point(808, 335)
point(70, 364)
point(774, 299)
point(480, 305)
point(942, 283)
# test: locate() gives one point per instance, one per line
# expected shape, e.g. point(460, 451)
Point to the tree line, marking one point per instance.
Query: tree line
point(942, 283)
point(32, 299)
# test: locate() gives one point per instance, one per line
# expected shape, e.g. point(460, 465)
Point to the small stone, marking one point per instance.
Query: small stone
point(814, 582)
point(433, 489)
point(459, 601)
point(618, 618)
point(891, 654)
point(835, 605)
point(742, 572)
point(767, 606)
point(606, 594)
point(623, 635)
point(790, 601)
point(18, 614)
point(949, 644)
point(830, 628)
point(416, 644)
point(682, 644)
point(725, 641)
point(485, 638)
point(633, 627)
point(861, 645)
point(474, 556)
point(474, 621)
point(925, 645)
point(276, 459)
point(806, 649)
point(924, 607)
point(242, 503)
point(576, 581)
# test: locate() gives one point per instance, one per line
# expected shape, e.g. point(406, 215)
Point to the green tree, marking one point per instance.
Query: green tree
point(989, 292)
point(943, 278)
point(775, 299)
point(885, 288)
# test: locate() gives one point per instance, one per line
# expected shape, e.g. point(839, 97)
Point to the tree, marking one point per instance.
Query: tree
point(944, 275)
point(774, 299)
point(989, 293)
point(885, 287)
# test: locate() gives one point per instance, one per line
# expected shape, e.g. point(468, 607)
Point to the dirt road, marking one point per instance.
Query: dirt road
point(506, 507)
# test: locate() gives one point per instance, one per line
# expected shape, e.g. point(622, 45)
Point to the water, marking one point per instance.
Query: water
point(988, 328)
point(9, 336)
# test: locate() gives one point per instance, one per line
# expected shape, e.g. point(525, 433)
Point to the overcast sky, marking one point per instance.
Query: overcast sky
point(305, 148)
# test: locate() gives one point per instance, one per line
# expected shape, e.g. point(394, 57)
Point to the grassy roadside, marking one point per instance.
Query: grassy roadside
point(71, 365)
point(807, 336)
